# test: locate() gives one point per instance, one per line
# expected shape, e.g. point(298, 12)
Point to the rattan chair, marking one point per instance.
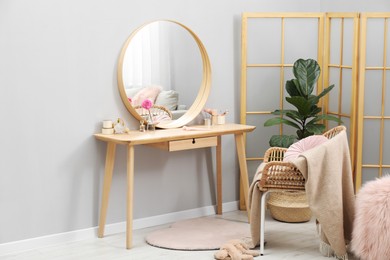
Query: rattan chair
point(155, 110)
point(281, 176)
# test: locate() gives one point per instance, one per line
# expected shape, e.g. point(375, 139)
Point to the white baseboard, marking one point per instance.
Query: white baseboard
point(90, 233)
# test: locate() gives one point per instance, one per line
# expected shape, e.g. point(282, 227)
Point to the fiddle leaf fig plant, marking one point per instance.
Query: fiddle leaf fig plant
point(307, 116)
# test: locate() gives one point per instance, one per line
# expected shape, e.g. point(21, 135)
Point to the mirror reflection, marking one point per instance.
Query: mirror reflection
point(163, 64)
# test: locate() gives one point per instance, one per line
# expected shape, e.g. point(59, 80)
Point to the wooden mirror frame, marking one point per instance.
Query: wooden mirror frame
point(199, 101)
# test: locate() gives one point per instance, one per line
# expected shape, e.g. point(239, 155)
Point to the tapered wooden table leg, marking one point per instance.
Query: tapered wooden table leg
point(219, 175)
point(130, 192)
point(242, 200)
point(240, 145)
point(110, 159)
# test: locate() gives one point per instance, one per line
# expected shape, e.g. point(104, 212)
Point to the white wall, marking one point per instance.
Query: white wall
point(58, 82)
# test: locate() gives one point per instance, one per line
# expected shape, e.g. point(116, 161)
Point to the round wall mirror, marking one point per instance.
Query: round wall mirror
point(166, 63)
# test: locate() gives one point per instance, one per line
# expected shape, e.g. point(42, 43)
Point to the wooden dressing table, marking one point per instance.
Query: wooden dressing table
point(170, 140)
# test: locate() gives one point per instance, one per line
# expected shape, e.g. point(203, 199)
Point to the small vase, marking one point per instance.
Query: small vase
point(150, 126)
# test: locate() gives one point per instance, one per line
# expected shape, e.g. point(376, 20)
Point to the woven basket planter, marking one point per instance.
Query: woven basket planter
point(289, 206)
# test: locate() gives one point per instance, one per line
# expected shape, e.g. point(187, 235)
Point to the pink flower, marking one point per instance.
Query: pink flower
point(147, 104)
point(130, 100)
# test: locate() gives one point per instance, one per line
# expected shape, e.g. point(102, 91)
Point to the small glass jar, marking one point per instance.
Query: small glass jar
point(150, 126)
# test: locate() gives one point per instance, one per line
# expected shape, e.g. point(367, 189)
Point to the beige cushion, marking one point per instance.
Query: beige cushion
point(168, 99)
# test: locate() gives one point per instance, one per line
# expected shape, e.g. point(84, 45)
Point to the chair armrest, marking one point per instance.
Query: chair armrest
point(334, 131)
point(281, 175)
point(274, 154)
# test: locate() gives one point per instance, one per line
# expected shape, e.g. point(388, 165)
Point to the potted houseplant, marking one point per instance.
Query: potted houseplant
point(307, 116)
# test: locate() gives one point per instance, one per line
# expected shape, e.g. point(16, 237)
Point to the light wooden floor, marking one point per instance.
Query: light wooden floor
point(284, 241)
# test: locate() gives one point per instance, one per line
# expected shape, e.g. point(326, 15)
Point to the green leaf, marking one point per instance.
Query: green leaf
point(282, 140)
point(279, 121)
point(291, 88)
point(316, 129)
point(325, 91)
point(296, 83)
point(332, 118)
point(294, 115)
point(314, 111)
point(301, 103)
point(303, 134)
point(279, 112)
point(307, 73)
point(313, 99)
point(325, 117)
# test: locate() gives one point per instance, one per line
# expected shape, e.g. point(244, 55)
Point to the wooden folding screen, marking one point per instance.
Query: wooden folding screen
point(373, 139)
point(340, 68)
point(271, 42)
point(335, 49)
point(354, 58)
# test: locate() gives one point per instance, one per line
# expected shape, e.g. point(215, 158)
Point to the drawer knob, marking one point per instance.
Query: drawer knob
point(193, 140)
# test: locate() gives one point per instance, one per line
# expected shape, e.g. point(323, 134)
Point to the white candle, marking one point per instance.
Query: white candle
point(107, 131)
point(107, 124)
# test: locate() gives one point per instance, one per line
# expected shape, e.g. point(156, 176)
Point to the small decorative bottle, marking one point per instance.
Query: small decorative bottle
point(141, 126)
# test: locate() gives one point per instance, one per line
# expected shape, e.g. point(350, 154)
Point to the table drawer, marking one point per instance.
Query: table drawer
point(187, 144)
point(192, 143)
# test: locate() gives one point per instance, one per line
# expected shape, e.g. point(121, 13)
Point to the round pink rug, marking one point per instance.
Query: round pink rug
point(204, 233)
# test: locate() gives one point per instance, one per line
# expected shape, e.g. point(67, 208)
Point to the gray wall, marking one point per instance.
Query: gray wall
point(58, 82)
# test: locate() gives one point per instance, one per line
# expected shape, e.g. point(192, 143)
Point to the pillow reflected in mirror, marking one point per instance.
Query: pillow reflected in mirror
point(150, 92)
point(168, 99)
